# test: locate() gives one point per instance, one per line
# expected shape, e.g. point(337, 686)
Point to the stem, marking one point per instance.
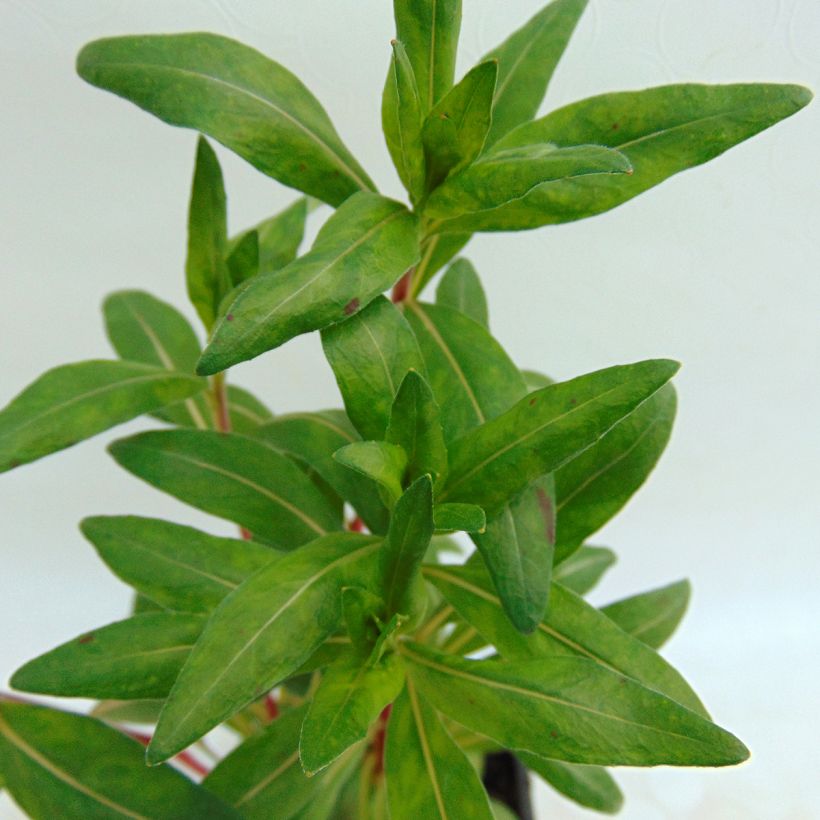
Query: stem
point(401, 289)
point(219, 403)
point(434, 623)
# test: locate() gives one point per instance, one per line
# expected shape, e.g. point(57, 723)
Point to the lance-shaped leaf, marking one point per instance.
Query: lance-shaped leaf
point(545, 429)
point(584, 568)
point(74, 402)
point(249, 103)
point(338, 784)
point(590, 786)
point(436, 252)
point(415, 426)
point(370, 354)
point(248, 647)
point(662, 131)
point(57, 764)
point(243, 259)
point(401, 122)
point(427, 774)
point(461, 289)
point(380, 461)
point(349, 698)
point(246, 411)
point(652, 616)
point(139, 657)
point(454, 517)
point(244, 480)
point(570, 627)
point(366, 245)
point(455, 129)
point(178, 567)
point(526, 62)
point(128, 711)
point(593, 487)
point(570, 709)
point(485, 194)
point(429, 31)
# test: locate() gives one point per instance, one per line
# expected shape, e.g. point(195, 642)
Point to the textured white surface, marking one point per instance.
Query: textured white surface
point(717, 267)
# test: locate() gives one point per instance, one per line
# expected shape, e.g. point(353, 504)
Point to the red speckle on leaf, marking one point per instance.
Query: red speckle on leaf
point(532, 402)
point(615, 126)
point(553, 733)
point(351, 307)
point(229, 317)
point(573, 402)
point(87, 638)
point(302, 166)
point(545, 503)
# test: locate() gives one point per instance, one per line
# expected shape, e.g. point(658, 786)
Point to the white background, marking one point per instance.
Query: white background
point(717, 267)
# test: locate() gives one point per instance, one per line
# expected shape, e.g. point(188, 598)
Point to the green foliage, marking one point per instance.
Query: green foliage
point(335, 637)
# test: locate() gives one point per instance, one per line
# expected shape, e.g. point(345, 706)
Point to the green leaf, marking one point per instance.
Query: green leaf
point(57, 764)
point(248, 644)
point(178, 567)
point(593, 715)
point(128, 711)
point(370, 355)
point(545, 429)
point(349, 698)
point(139, 657)
point(454, 517)
point(589, 786)
point(361, 610)
point(485, 196)
point(427, 774)
point(526, 62)
point(652, 616)
point(570, 627)
point(411, 528)
point(429, 31)
point(401, 122)
point(455, 129)
point(584, 568)
point(244, 480)
point(243, 259)
point(460, 289)
point(366, 245)
point(380, 461)
point(536, 380)
point(76, 401)
point(595, 485)
point(336, 782)
point(246, 411)
point(249, 103)
point(416, 428)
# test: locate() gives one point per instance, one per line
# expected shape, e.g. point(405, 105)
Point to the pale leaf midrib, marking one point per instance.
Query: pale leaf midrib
point(425, 749)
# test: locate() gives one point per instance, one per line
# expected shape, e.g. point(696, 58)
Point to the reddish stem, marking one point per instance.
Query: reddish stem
point(377, 746)
point(271, 707)
point(356, 525)
point(184, 757)
point(402, 288)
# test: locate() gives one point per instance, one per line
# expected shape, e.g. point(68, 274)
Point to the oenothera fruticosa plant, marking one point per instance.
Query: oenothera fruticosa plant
point(356, 668)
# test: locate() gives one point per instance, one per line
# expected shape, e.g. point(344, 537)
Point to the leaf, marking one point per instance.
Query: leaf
point(453, 517)
point(58, 764)
point(366, 245)
point(589, 786)
point(248, 647)
point(570, 709)
point(247, 413)
point(128, 711)
point(249, 103)
point(536, 380)
point(570, 627)
point(243, 259)
point(349, 698)
point(652, 616)
point(139, 657)
point(401, 122)
point(595, 485)
point(526, 62)
point(76, 401)
point(584, 568)
point(336, 782)
point(429, 31)
point(415, 427)
point(460, 289)
point(370, 354)
point(485, 195)
point(238, 478)
point(436, 251)
point(427, 774)
point(380, 461)
point(546, 429)
point(455, 129)
point(178, 567)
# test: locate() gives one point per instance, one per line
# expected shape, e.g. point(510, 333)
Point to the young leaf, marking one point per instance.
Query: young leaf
point(378, 460)
point(526, 62)
point(57, 764)
point(460, 289)
point(139, 657)
point(76, 401)
point(415, 427)
point(178, 567)
point(594, 715)
point(238, 478)
point(370, 354)
point(366, 245)
point(249, 103)
point(545, 429)
point(243, 259)
point(584, 568)
point(453, 517)
point(429, 31)
point(536, 380)
point(247, 646)
point(427, 774)
point(401, 122)
point(651, 616)
point(360, 610)
point(455, 129)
